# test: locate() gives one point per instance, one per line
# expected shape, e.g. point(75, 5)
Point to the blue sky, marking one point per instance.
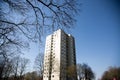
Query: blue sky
point(97, 35)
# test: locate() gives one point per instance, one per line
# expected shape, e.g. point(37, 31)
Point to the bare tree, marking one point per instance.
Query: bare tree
point(113, 73)
point(16, 63)
point(19, 66)
point(22, 68)
point(85, 72)
point(7, 70)
point(71, 72)
point(39, 64)
point(9, 46)
point(6, 55)
point(32, 76)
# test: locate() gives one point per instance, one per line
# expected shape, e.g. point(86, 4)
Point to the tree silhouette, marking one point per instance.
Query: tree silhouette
point(113, 73)
point(85, 72)
point(22, 68)
point(39, 64)
point(71, 72)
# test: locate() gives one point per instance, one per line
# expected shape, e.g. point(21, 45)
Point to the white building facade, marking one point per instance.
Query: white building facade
point(59, 55)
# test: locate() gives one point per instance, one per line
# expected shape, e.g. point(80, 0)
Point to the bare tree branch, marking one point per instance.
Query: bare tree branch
point(22, 21)
point(60, 13)
point(39, 63)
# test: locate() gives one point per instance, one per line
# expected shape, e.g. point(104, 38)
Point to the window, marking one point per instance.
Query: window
point(52, 75)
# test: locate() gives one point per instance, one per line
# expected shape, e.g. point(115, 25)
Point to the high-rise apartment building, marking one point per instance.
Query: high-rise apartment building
point(59, 57)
